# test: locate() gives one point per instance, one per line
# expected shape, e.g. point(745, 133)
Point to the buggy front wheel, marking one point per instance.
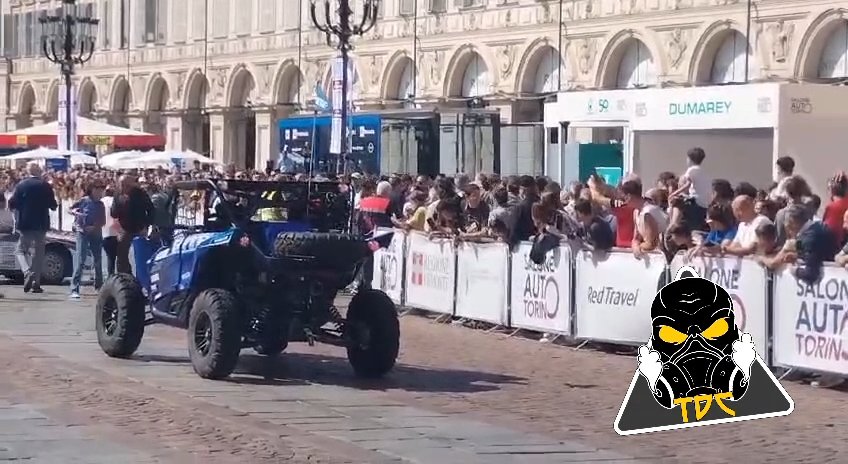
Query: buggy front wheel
point(214, 334)
point(120, 316)
point(372, 330)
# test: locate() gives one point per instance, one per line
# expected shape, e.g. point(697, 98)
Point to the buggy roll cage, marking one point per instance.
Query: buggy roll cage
point(239, 188)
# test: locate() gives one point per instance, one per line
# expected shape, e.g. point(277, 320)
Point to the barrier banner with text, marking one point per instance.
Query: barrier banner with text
point(810, 321)
point(482, 278)
point(613, 295)
point(430, 273)
point(388, 267)
point(747, 283)
point(541, 294)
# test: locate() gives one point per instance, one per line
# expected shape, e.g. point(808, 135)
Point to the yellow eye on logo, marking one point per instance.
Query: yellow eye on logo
point(719, 328)
point(670, 335)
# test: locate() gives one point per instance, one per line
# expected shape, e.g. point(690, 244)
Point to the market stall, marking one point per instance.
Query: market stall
point(93, 136)
point(742, 128)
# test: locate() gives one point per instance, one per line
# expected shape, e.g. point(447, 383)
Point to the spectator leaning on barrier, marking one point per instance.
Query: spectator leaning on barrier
point(595, 231)
point(835, 210)
point(722, 230)
point(475, 211)
point(32, 201)
point(522, 227)
point(399, 195)
point(744, 242)
point(842, 258)
point(89, 219)
point(796, 189)
point(374, 210)
point(766, 239)
point(650, 221)
point(677, 238)
point(814, 244)
point(418, 216)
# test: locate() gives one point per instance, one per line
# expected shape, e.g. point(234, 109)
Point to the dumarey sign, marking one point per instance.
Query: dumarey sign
point(801, 116)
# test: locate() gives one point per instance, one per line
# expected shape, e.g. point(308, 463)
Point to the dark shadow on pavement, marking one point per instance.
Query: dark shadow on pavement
point(326, 370)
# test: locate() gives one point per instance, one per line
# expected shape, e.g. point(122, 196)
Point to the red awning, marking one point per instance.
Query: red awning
point(90, 134)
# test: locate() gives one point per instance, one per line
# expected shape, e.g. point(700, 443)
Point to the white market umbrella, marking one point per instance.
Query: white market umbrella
point(186, 157)
point(120, 159)
point(44, 153)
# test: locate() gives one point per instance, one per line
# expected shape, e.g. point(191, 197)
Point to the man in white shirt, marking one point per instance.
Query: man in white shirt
point(110, 232)
point(745, 241)
point(695, 183)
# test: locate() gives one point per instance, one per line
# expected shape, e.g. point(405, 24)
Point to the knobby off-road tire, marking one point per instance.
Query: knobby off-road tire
point(331, 251)
point(120, 316)
point(214, 334)
point(375, 311)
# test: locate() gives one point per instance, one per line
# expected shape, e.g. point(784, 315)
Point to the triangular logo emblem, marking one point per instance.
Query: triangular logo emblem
point(697, 368)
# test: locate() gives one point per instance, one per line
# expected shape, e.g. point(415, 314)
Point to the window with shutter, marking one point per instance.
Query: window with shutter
point(291, 11)
point(438, 6)
point(28, 33)
point(125, 23)
point(162, 21)
point(268, 15)
point(105, 34)
point(221, 15)
point(179, 20)
point(8, 35)
point(243, 17)
point(198, 19)
point(407, 7)
point(150, 16)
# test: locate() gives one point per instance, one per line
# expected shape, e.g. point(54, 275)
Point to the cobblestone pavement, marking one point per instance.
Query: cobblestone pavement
point(458, 395)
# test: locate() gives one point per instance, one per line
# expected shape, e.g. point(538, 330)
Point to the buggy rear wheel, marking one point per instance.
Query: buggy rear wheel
point(373, 333)
point(214, 334)
point(120, 316)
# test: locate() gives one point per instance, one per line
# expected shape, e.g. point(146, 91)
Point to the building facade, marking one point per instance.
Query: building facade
point(216, 75)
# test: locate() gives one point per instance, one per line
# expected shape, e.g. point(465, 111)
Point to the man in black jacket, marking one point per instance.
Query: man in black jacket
point(522, 227)
point(134, 213)
point(31, 201)
point(814, 243)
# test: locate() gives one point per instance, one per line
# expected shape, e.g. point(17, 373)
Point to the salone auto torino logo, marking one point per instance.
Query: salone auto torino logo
point(389, 268)
point(541, 290)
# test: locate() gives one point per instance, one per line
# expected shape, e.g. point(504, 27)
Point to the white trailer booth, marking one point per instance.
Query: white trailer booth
point(742, 128)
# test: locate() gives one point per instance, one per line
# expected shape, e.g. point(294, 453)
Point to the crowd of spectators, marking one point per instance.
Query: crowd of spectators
point(780, 224)
point(690, 212)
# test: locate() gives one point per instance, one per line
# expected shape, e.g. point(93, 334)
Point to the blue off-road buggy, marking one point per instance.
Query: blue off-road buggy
point(259, 264)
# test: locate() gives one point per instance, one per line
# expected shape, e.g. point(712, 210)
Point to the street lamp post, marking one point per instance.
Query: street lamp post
point(68, 40)
point(340, 26)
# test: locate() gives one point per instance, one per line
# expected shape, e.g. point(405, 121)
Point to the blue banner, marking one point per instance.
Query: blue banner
point(57, 164)
point(299, 133)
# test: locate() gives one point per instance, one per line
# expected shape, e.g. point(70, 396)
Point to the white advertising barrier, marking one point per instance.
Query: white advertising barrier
point(613, 295)
point(482, 277)
point(430, 273)
point(810, 321)
point(541, 294)
point(747, 283)
point(388, 267)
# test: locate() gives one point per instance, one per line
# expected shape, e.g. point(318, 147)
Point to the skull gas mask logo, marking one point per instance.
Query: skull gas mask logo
point(697, 365)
